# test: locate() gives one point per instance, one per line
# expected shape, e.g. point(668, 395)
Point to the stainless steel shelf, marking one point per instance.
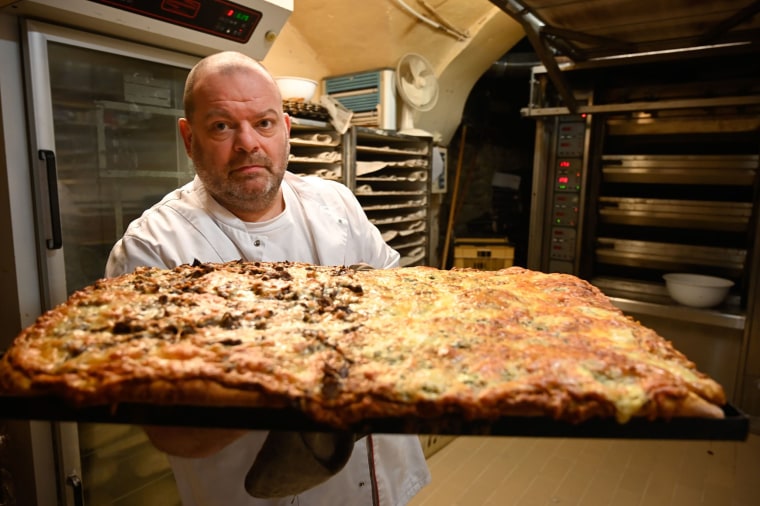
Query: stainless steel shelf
point(681, 169)
point(718, 318)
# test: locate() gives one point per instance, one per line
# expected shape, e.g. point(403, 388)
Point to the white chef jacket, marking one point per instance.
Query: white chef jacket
point(188, 224)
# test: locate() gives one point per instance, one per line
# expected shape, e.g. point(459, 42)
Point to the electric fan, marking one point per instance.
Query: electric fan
point(418, 88)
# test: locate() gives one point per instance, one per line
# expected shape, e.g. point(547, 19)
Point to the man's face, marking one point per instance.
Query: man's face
point(238, 141)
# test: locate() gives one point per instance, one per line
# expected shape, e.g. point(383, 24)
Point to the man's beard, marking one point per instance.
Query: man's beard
point(233, 192)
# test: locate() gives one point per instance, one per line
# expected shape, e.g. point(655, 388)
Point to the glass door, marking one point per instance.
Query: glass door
point(117, 148)
point(104, 118)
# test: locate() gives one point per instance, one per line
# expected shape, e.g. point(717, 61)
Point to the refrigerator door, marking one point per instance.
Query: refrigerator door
point(103, 120)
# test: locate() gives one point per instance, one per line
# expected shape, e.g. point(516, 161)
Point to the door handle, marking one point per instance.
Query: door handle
point(75, 482)
point(55, 213)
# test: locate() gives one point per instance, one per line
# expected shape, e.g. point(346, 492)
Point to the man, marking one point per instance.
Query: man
point(244, 205)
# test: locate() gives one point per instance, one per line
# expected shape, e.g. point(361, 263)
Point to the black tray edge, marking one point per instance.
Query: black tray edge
point(734, 427)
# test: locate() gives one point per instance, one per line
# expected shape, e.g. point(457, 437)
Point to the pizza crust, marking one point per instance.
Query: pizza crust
point(690, 406)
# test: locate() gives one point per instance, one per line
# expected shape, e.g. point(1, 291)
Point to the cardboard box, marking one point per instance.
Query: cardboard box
point(483, 254)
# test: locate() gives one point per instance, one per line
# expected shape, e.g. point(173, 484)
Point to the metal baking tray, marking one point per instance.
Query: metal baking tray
point(734, 427)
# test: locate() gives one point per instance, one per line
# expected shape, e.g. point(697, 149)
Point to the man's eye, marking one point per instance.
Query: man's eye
point(220, 127)
point(266, 123)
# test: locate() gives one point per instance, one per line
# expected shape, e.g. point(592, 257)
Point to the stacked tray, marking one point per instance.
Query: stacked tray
point(693, 214)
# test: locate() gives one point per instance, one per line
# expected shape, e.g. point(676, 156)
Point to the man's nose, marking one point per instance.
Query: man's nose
point(247, 138)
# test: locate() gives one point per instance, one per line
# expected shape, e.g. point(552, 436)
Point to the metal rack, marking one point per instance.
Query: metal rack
point(389, 173)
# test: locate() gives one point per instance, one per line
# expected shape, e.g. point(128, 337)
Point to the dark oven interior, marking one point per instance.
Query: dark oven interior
point(673, 188)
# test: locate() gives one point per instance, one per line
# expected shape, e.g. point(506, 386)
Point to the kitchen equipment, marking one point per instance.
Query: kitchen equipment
point(296, 88)
point(697, 290)
point(200, 27)
point(94, 142)
point(390, 176)
point(371, 95)
point(418, 88)
point(657, 173)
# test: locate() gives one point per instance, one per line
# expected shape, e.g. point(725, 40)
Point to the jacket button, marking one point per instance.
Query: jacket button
point(361, 484)
point(257, 243)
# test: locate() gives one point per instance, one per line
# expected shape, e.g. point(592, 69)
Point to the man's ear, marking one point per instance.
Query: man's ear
point(186, 132)
point(286, 119)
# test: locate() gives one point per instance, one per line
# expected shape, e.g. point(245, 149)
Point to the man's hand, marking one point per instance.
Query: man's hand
point(191, 442)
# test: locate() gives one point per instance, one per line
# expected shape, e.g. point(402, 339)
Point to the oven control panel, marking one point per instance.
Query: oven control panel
point(567, 181)
point(220, 18)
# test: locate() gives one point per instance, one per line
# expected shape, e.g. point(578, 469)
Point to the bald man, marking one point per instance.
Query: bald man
point(243, 204)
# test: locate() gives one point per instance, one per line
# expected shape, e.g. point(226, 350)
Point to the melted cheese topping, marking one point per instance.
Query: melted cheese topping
point(347, 346)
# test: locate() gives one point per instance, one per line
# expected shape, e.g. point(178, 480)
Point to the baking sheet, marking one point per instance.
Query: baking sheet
point(734, 427)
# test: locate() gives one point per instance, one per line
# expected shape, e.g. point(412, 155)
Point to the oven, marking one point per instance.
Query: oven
point(657, 171)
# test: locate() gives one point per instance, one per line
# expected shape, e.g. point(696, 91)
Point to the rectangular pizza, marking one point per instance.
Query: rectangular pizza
point(344, 345)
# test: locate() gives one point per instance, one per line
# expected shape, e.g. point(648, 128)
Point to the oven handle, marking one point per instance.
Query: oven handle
point(75, 482)
point(55, 213)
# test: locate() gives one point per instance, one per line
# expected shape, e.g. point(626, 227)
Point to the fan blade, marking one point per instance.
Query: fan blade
point(418, 67)
point(418, 96)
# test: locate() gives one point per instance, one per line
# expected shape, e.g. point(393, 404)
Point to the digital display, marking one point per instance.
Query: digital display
point(220, 18)
point(240, 16)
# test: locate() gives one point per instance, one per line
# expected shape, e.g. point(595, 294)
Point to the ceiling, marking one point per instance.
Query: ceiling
point(351, 39)
point(334, 37)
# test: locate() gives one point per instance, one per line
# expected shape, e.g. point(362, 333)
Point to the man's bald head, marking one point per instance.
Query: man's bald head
point(224, 63)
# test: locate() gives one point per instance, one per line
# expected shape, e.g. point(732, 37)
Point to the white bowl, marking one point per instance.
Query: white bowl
point(296, 88)
point(697, 290)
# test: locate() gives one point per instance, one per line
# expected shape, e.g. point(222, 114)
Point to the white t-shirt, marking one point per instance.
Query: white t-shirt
point(188, 224)
point(285, 237)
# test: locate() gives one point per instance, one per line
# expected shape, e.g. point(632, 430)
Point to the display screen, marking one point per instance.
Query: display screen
point(215, 17)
